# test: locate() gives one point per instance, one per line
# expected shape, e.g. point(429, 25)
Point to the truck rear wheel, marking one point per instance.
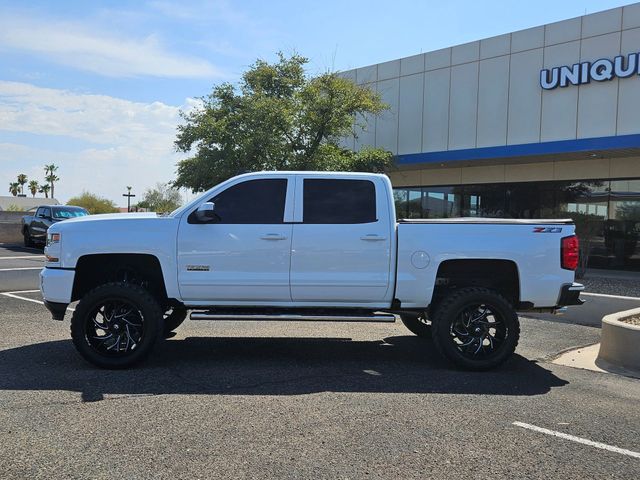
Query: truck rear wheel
point(475, 328)
point(417, 324)
point(116, 325)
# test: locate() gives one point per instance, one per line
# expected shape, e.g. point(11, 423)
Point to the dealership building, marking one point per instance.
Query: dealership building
point(539, 123)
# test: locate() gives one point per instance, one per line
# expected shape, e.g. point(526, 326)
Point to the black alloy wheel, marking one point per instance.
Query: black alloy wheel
point(476, 328)
point(116, 325)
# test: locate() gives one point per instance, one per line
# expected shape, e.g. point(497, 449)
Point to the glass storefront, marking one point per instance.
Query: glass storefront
point(606, 212)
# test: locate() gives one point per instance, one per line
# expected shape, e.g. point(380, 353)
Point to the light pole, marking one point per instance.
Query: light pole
point(128, 195)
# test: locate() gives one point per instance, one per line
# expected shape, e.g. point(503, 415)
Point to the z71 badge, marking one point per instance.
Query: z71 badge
point(547, 229)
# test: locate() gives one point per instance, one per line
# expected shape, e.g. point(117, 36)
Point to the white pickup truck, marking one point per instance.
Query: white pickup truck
point(305, 246)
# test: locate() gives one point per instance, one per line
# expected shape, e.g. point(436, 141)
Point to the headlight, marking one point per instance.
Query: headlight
point(52, 251)
point(53, 238)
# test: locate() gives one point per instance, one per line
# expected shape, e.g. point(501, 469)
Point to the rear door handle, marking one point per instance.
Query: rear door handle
point(373, 238)
point(272, 236)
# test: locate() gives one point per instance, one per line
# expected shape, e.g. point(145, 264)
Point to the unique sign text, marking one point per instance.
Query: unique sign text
point(601, 70)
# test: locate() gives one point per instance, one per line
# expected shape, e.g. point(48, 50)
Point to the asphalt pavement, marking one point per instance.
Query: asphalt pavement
point(296, 400)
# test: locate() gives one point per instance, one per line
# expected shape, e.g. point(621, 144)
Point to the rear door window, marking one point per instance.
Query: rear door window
point(339, 201)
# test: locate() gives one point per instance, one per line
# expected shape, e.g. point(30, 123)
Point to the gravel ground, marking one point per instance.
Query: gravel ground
point(632, 320)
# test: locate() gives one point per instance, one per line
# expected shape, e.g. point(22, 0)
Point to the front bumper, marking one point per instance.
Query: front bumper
point(56, 286)
point(570, 295)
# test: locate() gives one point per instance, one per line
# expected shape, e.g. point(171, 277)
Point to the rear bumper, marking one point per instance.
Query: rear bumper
point(570, 295)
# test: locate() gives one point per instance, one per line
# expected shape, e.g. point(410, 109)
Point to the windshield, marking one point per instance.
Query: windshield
point(69, 212)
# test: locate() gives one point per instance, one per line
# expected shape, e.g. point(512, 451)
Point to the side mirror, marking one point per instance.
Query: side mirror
point(206, 212)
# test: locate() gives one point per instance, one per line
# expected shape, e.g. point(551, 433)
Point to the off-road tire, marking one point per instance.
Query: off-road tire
point(28, 241)
point(174, 319)
point(416, 325)
point(146, 304)
point(452, 306)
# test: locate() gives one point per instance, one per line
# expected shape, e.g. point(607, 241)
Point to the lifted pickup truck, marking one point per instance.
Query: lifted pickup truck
point(305, 246)
point(34, 228)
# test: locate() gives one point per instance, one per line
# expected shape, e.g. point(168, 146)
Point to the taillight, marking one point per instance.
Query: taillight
point(569, 253)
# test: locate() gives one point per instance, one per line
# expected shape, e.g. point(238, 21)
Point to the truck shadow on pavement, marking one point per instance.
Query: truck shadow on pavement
point(269, 366)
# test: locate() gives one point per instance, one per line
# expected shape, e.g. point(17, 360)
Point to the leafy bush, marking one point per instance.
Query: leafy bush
point(93, 203)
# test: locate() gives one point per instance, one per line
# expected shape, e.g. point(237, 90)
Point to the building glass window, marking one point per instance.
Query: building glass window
point(440, 202)
point(484, 201)
point(400, 198)
point(414, 203)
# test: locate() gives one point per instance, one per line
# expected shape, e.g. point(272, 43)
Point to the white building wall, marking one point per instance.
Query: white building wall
point(487, 93)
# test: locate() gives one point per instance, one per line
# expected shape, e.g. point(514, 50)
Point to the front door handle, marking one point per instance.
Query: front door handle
point(272, 236)
point(373, 238)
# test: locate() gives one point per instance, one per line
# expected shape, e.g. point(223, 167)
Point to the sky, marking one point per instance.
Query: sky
point(97, 87)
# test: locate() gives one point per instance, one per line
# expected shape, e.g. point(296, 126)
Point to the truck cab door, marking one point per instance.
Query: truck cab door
point(243, 252)
point(39, 226)
point(342, 240)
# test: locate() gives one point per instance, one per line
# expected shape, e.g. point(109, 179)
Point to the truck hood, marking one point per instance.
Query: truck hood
point(130, 233)
point(112, 216)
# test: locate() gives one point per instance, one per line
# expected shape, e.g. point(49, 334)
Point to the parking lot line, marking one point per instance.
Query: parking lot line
point(13, 295)
point(606, 295)
point(584, 441)
point(19, 268)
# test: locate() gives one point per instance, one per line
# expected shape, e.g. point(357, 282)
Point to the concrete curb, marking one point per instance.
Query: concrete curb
point(619, 344)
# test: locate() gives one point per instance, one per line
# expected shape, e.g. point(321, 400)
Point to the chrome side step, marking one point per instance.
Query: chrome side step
point(291, 317)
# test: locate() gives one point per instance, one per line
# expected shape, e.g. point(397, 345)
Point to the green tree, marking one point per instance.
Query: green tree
point(22, 179)
point(33, 187)
point(51, 177)
point(14, 188)
point(162, 198)
point(93, 203)
point(45, 189)
point(277, 118)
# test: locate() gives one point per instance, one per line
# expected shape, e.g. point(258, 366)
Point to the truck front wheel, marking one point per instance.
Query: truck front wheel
point(475, 328)
point(116, 325)
point(28, 241)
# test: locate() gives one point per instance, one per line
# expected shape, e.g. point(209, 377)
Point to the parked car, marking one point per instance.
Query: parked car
point(305, 246)
point(35, 227)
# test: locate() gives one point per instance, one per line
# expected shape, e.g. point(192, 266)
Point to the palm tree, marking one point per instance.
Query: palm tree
point(45, 189)
point(22, 179)
point(50, 176)
point(14, 188)
point(33, 187)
